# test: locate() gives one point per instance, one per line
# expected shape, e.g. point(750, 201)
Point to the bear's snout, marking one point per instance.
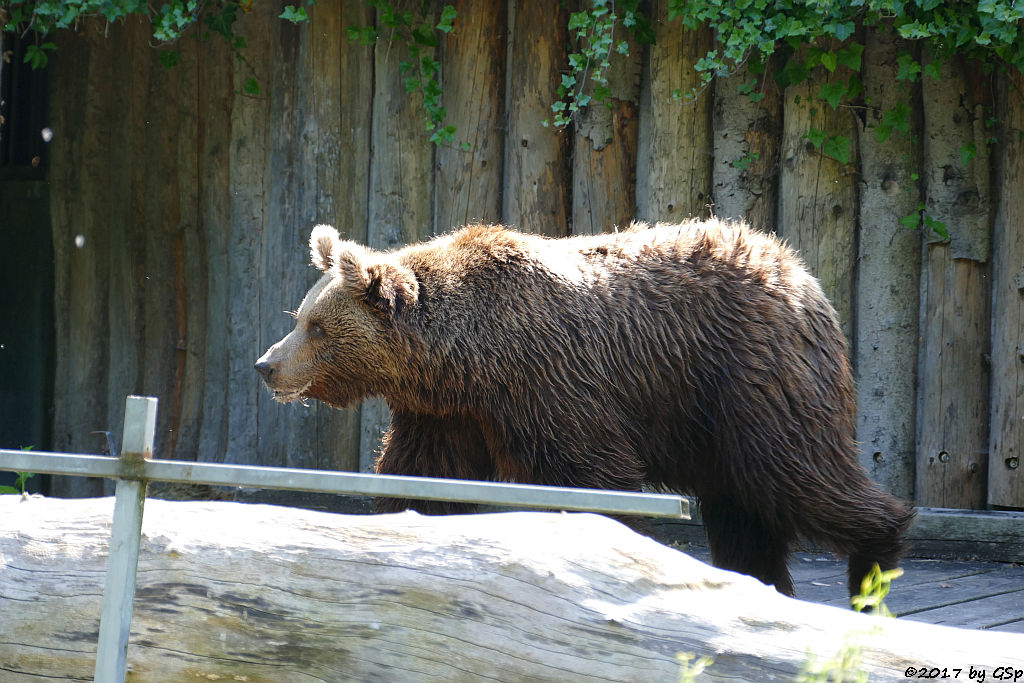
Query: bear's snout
point(265, 368)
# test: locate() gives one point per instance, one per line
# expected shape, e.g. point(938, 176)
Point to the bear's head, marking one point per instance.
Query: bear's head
point(350, 340)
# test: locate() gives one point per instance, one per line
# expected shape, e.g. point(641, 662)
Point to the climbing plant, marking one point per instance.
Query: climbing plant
point(170, 21)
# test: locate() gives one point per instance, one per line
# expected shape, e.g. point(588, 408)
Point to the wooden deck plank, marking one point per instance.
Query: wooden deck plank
point(976, 595)
point(988, 612)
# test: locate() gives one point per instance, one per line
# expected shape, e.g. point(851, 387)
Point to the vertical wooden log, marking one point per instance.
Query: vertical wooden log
point(341, 94)
point(677, 158)
point(190, 289)
point(216, 103)
point(473, 67)
point(746, 149)
point(888, 266)
point(127, 228)
point(163, 251)
point(955, 295)
point(287, 432)
point(1006, 441)
point(250, 193)
point(401, 187)
point(605, 147)
point(81, 245)
point(818, 193)
point(536, 194)
point(65, 80)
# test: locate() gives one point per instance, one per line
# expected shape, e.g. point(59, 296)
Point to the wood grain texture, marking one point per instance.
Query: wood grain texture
point(678, 154)
point(269, 593)
point(818, 194)
point(401, 205)
point(249, 185)
point(886, 311)
point(746, 149)
point(604, 160)
point(537, 184)
point(1006, 474)
point(81, 237)
point(216, 103)
point(470, 171)
point(341, 94)
point(953, 389)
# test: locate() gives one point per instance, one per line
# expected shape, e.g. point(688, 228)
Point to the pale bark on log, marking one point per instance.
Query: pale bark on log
point(264, 593)
point(1006, 476)
point(473, 68)
point(953, 391)
point(249, 183)
point(677, 146)
point(746, 144)
point(886, 308)
point(536, 192)
point(817, 193)
point(605, 147)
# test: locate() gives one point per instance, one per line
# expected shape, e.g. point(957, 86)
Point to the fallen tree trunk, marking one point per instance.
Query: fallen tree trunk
point(258, 593)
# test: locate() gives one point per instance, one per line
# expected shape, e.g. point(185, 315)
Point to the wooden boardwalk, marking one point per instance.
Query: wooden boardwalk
point(977, 595)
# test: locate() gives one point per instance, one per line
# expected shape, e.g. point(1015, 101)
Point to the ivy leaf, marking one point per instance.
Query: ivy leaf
point(36, 54)
point(832, 93)
point(911, 220)
point(447, 22)
point(838, 147)
point(294, 14)
point(829, 60)
point(968, 152)
point(938, 227)
point(850, 56)
point(168, 58)
point(934, 70)
point(897, 118)
point(251, 87)
point(816, 136)
point(907, 68)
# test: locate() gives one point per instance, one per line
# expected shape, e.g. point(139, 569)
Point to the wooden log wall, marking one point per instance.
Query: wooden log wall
point(192, 200)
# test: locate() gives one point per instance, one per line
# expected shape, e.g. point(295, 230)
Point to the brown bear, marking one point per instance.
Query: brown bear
point(699, 358)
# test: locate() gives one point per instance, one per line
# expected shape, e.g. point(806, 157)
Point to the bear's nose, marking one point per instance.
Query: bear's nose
point(265, 369)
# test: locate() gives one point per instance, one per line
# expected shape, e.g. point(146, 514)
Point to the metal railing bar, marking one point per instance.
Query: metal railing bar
point(352, 483)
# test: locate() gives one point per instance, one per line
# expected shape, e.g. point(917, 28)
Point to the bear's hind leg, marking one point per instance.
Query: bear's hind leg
point(741, 541)
point(878, 538)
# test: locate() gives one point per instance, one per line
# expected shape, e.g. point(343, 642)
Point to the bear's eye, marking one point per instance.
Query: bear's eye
point(316, 331)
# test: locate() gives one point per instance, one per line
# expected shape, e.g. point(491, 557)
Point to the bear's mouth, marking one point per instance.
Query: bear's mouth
point(290, 396)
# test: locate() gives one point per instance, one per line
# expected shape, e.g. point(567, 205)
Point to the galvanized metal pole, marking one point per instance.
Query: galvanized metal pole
point(125, 539)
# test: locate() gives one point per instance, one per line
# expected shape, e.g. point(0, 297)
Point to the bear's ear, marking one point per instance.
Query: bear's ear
point(390, 288)
point(321, 247)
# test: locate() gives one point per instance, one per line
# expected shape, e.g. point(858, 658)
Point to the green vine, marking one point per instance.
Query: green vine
point(421, 71)
point(169, 23)
point(592, 34)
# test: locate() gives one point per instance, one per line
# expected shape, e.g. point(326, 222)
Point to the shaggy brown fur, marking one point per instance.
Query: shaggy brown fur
point(700, 358)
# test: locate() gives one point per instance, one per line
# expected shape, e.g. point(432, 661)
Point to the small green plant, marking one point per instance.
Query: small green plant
point(873, 589)
point(19, 483)
point(688, 672)
point(846, 666)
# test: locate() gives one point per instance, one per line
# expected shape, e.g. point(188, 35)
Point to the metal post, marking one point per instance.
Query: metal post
point(125, 538)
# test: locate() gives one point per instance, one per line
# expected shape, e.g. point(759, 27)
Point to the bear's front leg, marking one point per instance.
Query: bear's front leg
point(430, 446)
